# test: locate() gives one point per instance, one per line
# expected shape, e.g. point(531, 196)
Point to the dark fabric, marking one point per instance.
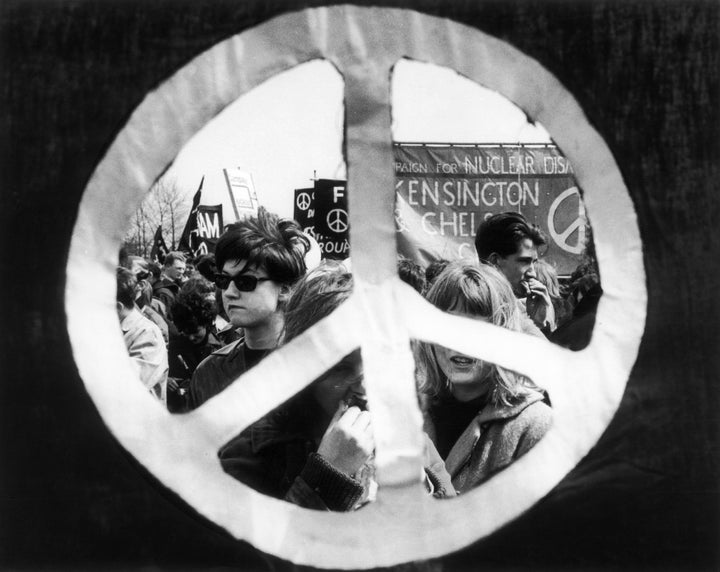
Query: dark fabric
point(183, 358)
point(219, 370)
point(166, 291)
point(277, 456)
point(647, 76)
point(450, 418)
point(338, 491)
point(575, 334)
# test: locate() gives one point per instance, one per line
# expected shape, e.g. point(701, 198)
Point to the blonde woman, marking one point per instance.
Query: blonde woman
point(480, 416)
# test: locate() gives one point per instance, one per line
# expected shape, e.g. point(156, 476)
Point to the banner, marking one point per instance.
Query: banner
point(323, 214)
point(159, 249)
point(208, 228)
point(242, 192)
point(444, 192)
point(191, 224)
point(304, 207)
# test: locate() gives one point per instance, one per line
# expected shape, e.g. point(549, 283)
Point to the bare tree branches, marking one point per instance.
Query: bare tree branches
point(165, 205)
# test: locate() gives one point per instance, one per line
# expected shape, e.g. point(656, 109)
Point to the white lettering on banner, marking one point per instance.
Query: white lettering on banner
point(557, 166)
point(577, 224)
point(466, 250)
point(208, 225)
point(463, 193)
point(338, 193)
point(447, 168)
point(412, 167)
point(460, 224)
point(496, 165)
point(333, 247)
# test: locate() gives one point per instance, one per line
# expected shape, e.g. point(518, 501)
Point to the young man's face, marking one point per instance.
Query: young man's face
point(519, 267)
point(253, 308)
point(176, 271)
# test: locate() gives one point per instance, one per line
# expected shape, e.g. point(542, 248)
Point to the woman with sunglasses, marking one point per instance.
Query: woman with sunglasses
point(480, 416)
point(258, 261)
point(316, 450)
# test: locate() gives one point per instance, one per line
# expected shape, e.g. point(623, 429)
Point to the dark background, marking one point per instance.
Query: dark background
point(646, 74)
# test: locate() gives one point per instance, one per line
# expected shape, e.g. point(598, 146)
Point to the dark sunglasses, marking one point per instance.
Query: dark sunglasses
point(243, 282)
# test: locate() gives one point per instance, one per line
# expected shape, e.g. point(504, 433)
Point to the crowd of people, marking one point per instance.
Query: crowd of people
point(192, 327)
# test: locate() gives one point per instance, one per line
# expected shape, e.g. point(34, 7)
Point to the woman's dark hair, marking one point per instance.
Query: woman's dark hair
point(265, 240)
point(193, 309)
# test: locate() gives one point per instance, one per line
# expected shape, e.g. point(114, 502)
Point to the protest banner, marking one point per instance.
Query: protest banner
point(444, 192)
point(209, 227)
point(159, 249)
point(304, 208)
point(184, 244)
point(242, 192)
point(330, 217)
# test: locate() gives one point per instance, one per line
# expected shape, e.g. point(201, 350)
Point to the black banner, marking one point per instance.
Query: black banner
point(322, 212)
point(159, 248)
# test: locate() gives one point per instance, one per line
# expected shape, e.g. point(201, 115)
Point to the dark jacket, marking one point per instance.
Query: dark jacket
point(218, 371)
point(166, 291)
point(277, 457)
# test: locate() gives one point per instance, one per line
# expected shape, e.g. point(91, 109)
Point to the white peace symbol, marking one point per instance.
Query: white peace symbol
point(578, 224)
point(303, 201)
point(382, 314)
point(337, 220)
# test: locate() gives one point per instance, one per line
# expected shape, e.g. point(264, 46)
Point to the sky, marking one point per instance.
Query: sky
point(285, 141)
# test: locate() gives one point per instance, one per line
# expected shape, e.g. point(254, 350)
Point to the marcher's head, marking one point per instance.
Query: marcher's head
point(174, 266)
point(411, 273)
point(205, 265)
point(315, 297)
point(126, 289)
point(510, 243)
point(547, 274)
point(155, 272)
point(194, 311)
point(479, 292)
point(433, 270)
point(258, 261)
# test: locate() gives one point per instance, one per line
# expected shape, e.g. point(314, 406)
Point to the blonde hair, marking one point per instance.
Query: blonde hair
point(547, 274)
point(479, 291)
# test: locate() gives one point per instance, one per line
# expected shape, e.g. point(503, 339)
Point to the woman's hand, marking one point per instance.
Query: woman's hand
point(348, 441)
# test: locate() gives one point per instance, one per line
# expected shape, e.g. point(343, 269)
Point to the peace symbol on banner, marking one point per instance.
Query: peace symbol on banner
point(303, 201)
point(381, 316)
point(337, 220)
point(576, 226)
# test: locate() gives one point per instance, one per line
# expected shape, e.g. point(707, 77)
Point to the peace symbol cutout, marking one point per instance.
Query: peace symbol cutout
point(381, 316)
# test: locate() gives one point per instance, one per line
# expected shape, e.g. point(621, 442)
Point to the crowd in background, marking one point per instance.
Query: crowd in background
point(193, 326)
